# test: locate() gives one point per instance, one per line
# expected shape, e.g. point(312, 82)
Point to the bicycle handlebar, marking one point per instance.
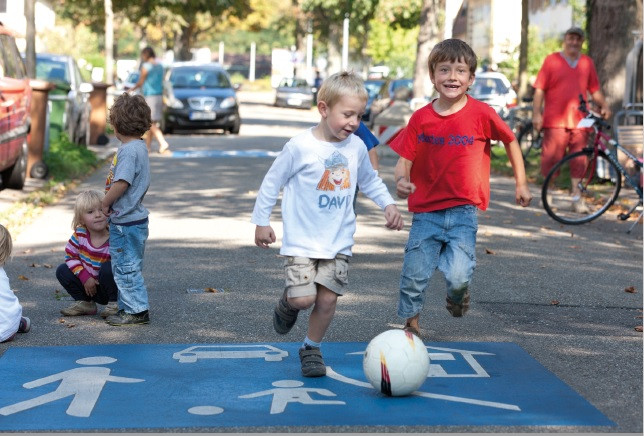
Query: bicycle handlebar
point(590, 114)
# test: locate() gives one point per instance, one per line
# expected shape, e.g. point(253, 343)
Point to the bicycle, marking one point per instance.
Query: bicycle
point(597, 178)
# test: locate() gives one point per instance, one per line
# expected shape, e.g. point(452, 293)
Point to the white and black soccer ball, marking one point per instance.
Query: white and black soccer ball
point(396, 363)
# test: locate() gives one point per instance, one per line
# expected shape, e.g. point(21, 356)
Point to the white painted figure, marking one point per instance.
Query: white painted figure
point(290, 391)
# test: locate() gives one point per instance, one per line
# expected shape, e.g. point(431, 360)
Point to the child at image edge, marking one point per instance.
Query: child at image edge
point(127, 183)
point(318, 170)
point(444, 171)
point(11, 319)
point(87, 272)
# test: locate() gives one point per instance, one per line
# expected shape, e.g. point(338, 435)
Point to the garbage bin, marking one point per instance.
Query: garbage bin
point(36, 168)
point(58, 109)
point(98, 115)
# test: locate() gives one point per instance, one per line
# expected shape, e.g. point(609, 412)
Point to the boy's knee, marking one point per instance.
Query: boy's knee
point(301, 303)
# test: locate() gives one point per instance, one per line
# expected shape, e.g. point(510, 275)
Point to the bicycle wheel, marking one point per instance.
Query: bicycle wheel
point(529, 142)
point(597, 187)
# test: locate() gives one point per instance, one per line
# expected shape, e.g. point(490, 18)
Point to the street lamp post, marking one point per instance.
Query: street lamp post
point(345, 42)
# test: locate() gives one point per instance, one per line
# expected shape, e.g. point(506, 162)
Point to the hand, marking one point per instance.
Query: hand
point(106, 210)
point(264, 235)
point(393, 217)
point(606, 112)
point(90, 286)
point(537, 121)
point(404, 188)
point(523, 196)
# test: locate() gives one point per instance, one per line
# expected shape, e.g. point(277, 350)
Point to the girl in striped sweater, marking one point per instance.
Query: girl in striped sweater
point(87, 272)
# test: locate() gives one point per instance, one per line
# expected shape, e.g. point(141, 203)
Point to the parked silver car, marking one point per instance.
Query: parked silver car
point(494, 89)
point(294, 93)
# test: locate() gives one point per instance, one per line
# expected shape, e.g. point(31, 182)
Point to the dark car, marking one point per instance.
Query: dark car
point(199, 96)
point(373, 87)
point(385, 96)
point(294, 93)
point(70, 107)
point(15, 95)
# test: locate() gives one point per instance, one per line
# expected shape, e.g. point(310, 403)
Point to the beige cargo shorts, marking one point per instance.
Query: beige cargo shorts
point(302, 275)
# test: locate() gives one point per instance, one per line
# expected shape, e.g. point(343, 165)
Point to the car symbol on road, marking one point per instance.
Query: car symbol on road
point(266, 352)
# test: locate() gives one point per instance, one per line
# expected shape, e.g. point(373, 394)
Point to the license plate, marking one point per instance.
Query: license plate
point(294, 101)
point(203, 115)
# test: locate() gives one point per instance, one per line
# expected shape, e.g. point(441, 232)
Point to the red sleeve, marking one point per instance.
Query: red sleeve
point(499, 129)
point(405, 142)
point(593, 80)
point(541, 81)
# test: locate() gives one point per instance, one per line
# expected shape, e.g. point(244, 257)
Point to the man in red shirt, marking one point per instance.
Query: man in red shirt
point(563, 77)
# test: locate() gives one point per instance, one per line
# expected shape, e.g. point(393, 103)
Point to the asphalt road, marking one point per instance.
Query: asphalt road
point(556, 291)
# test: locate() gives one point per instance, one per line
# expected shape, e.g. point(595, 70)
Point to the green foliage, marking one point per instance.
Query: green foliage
point(394, 47)
point(67, 160)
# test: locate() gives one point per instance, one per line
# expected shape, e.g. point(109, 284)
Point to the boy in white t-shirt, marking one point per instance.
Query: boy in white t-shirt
point(319, 170)
point(11, 319)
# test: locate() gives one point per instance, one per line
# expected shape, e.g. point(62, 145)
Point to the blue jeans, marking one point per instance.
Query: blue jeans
point(127, 244)
point(444, 239)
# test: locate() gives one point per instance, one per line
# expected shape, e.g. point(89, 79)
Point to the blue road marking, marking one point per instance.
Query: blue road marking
point(223, 153)
point(231, 385)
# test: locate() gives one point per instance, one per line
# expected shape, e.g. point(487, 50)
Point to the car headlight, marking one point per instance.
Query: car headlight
point(173, 102)
point(228, 102)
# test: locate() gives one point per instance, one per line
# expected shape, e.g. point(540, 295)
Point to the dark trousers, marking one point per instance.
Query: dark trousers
point(106, 289)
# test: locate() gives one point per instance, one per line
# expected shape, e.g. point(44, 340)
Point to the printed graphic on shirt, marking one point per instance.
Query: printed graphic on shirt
point(110, 175)
point(336, 174)
point(462, 140)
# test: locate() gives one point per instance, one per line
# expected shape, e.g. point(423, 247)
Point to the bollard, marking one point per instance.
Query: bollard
point(36, 168)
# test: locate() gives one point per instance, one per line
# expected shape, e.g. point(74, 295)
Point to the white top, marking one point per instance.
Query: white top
point(10, 308)
point(319, 180)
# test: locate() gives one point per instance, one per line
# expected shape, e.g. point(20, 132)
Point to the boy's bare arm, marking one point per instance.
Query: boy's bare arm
point(401, 175)
point(116, 191)
point(264, 235)
point(393, 217)
point(522, 192)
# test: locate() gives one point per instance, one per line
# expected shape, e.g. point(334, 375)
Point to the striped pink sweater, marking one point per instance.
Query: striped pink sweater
point(82, 258)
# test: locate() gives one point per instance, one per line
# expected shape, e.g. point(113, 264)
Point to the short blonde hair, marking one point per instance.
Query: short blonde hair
point(86, 200)
point(6, 245)
point(346, 83)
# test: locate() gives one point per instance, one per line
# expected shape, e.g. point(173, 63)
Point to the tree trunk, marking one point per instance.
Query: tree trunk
point(610, 28)
point(183, 53)
point(30, 50)
point(523, 51)
point(431, 30)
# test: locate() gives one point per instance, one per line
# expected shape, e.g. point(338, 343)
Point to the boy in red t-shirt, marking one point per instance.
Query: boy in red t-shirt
point(444, 171)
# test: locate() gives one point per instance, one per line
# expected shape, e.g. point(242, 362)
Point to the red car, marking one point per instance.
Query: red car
point(15, 104)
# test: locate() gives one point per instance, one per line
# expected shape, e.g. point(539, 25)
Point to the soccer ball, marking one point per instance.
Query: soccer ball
point(396, 363)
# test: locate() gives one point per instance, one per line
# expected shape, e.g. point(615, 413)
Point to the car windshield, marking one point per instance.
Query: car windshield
point(52, 70)
point(191, 77)
point(373, 87)
point(486, 86)
point(293, 83)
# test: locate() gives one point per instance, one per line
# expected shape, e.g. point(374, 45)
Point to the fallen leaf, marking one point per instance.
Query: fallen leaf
point(27, 251)
point(213, 290)
point(62, 320)
point(21, 277)
point(488, 251)
point(46, 265)
point(554, 303)
point(638, 328)
point(638, 317)
point(631, 290)
point(70, 325)
point(574, 247)
point(34, 265)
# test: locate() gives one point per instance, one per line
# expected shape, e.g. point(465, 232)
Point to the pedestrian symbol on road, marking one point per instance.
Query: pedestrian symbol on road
point(290, 391)
point(84, 384)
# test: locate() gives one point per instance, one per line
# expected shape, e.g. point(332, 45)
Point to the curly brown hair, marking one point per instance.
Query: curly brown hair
point(130, 115)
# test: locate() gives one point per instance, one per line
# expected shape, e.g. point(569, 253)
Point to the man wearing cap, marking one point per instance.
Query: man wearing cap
point(562, 78)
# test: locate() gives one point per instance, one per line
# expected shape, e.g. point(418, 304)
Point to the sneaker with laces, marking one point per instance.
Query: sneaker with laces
point(458, 309)
point(312, 362)
point(80, 308)
point(25, 325)
point(580, 206)
point(111, 309)
point(123, 318)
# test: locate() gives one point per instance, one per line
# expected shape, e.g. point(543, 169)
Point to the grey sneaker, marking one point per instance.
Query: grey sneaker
point(312, 362)
point(80, 308)
point(111, 309)
point(459, 309)
point(284, 316)
point(580, 206)
point(123, 318)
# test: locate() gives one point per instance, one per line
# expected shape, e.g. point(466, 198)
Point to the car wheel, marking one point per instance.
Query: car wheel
point(234, 129)
point(14, 177)
point(38, 170)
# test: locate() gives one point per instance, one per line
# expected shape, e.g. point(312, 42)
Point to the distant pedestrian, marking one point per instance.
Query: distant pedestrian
point(444, 171)
point(563, 77)
point(319, 170)
point(127, 182)
point(86, 274)
point(151, 84)
point(11, 319)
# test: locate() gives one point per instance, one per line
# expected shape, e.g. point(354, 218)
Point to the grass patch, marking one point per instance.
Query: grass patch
point(67, 164)
point(500, 165)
